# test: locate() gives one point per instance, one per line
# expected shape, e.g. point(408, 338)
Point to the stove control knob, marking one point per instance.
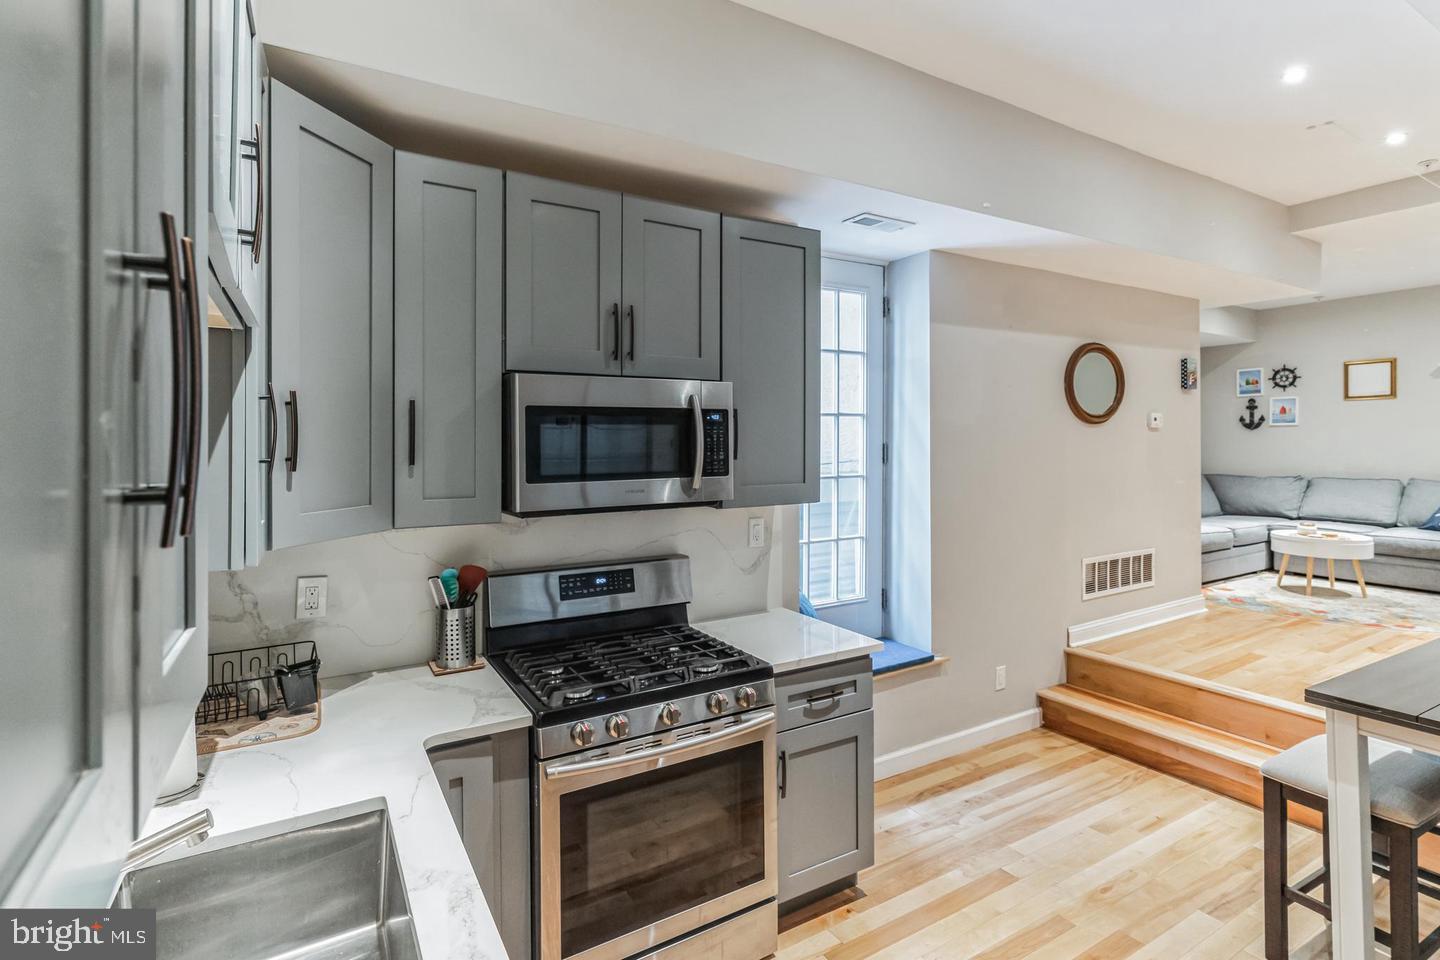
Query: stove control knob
point(745, 698)
point(669, 714)
point(717, 702)
point(618, 726)
point(583, 734)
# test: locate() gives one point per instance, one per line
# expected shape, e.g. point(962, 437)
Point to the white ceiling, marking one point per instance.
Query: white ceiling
point(1195, 84)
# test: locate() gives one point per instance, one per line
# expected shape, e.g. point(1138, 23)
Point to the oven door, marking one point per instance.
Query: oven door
point(637, 848)
point(586, 443)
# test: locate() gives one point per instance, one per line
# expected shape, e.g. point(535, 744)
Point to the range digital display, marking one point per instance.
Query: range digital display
point(600, 583)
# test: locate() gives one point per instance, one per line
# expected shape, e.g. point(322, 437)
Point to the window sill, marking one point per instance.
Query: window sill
point(899, 657)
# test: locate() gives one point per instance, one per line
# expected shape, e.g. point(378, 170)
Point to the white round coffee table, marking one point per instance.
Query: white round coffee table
point(1328, 546)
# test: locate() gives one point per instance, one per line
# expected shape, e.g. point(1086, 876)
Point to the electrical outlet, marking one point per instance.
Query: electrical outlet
point(310, 596)
point(1000, 678)
point(1157, 420)
point(757, 531)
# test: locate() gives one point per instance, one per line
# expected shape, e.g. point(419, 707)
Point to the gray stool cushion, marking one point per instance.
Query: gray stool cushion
point(1404, 786)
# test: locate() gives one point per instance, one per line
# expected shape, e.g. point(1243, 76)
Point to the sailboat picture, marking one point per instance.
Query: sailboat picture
point(1249, 383)
point(1284, 411)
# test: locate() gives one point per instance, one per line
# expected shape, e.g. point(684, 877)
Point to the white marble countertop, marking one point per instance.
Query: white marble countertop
point(789, 640)
point(374, 731)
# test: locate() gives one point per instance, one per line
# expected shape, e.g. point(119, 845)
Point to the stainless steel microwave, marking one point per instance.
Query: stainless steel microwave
point(593, 443)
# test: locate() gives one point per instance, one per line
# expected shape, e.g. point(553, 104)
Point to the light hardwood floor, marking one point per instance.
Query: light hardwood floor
point(1043, 847)
point(1275, 655)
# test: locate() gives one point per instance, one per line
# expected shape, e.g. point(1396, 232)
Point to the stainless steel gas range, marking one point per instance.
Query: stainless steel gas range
point(653, 775)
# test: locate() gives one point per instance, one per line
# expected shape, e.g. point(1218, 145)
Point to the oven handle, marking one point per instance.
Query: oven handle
point(558, 770)
point(694, 404)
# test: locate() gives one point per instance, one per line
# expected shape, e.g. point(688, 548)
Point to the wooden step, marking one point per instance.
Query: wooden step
point(1252, 716)
point(1216, 759)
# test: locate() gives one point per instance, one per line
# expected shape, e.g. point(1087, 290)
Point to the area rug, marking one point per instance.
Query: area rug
point(1385, 607)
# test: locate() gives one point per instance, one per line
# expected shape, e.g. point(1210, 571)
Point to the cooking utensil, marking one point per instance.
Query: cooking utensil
point(450, 580)
point(471, 576)
point(437, 593)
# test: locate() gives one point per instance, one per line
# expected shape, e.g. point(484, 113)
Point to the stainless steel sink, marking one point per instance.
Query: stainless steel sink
point(329, 890)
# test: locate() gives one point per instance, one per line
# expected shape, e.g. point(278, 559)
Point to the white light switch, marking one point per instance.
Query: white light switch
point(757, 531)
point(1157, 420)
point(310, 596)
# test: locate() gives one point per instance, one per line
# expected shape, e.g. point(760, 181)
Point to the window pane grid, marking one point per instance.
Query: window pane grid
point(832, 531)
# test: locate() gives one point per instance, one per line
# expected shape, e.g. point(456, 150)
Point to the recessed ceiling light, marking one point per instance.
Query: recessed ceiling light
point(1294, 74)
point(1396, 137)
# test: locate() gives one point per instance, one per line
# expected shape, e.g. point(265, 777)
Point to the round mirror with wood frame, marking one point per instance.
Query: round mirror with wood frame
point(1094, 382)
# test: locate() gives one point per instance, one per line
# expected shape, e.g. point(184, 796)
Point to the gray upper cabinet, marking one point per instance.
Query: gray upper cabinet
point(449, 233)
point(771, 352)
point(237, 201)
point(671, 323)
point(331, 324)
point(827, 802)
point(562, 277)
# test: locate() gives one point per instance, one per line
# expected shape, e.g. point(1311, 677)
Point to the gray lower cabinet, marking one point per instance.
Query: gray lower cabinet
point(331, 324)
point(449, 235)
point(487, 787)
point(562, 277)
point(770, 344)
point(826, 777)
point(671, 322)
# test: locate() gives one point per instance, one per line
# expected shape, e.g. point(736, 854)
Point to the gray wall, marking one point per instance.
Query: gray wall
point(1021, 491)
point(380, 614)
point(1335, 437)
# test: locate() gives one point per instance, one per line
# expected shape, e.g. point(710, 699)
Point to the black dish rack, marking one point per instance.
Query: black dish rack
point(243, 682)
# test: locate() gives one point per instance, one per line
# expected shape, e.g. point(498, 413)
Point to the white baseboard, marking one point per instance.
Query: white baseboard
point(1103, 629)
point(953, 744)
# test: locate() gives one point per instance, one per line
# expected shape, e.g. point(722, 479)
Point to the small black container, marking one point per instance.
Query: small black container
point(298, 683)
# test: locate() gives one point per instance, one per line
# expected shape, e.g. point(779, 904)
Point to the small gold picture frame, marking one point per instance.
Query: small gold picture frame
point(1371, 379)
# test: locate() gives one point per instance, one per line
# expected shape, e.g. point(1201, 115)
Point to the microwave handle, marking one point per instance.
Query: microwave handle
point(573, 767)
point(694, 403)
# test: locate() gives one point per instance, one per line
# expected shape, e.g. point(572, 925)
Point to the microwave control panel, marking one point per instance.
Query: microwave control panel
point(717, 443)
point(601, 583)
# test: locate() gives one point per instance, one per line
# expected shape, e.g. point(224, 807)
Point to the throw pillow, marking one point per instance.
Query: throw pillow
point(1433, 523)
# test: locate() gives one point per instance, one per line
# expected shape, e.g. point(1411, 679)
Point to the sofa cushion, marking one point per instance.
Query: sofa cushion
point(1209, 503)
point(1259, 496)
point(1433, 523)
point(1421, 500)
point(1353, 501)
point(1408, 542)
point(1213, 538)
point(1249, 530)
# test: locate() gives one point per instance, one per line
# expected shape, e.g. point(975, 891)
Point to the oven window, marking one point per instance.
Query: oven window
point(638, 849)
point(575, 444)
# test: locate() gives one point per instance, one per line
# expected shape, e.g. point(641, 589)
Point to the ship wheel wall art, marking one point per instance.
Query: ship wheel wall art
point(1284, 378)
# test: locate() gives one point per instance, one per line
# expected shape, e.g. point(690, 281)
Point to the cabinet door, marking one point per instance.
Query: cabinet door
point(449, 235)
point(671, 321)
point(827, 802)
point(225, 176)
point(770, 305)
point(67, 685)
point(170, 617)
point(562, 277)
point(331, 324)
point(249, 137)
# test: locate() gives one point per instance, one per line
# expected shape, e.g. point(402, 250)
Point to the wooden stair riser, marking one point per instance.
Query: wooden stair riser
point(1199, 702)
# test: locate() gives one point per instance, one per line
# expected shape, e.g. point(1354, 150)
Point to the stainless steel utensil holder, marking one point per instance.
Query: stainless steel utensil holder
point(455, 637)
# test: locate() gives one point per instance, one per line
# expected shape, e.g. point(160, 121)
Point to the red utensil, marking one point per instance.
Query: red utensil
point(471, 577)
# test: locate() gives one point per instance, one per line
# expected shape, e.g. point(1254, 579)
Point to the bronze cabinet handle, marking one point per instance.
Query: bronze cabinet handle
point(164, 271)
point(630, 312)
point(783, 774)
point(255, 236)
point(412, 431)
point(615, 322)
point(292, 408)
point(269, 397)
point(192, 467)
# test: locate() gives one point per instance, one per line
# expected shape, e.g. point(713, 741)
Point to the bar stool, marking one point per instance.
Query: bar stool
point(1404, 806)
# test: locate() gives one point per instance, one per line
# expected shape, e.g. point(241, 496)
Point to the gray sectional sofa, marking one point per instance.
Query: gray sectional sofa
point(1238, 513)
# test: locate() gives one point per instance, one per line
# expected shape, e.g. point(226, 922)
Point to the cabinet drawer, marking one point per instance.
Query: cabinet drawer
point(822, 693)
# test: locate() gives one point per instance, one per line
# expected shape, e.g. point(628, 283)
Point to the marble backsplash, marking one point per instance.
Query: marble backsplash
point(379, 612)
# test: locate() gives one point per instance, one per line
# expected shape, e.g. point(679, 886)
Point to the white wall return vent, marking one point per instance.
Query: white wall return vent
point(878, 221)
point(1117, 573)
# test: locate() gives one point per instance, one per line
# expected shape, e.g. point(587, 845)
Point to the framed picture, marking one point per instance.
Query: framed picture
point(1249, 383)
point(1370, 379)
point(1284, 411)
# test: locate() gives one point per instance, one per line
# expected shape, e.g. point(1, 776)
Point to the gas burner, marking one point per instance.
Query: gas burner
point(705, 666)
point(554, 670)
point(576, 694)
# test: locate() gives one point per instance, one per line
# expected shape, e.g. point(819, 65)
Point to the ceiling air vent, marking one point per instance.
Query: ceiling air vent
point(874, 221)
point(1118, 573)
